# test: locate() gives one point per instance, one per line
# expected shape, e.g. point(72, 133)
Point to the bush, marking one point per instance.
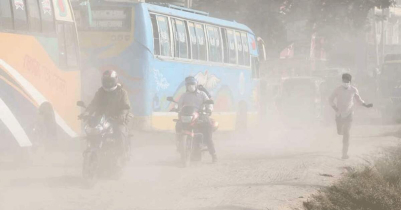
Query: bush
point(372, 188)
point(389, 166)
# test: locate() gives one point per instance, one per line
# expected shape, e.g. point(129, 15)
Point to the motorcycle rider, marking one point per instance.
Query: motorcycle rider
point(197, 96)
point(112, 100)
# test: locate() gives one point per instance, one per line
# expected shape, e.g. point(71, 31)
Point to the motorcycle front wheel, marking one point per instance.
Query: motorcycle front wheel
point(186, 150)
point(197, 149)
point(89, 168)
point(117, 167)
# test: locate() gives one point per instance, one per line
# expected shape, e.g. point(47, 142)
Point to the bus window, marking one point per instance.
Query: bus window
point(68, 45)
point(164, 36)
point(225, 44)
point(156, 41)
point(231, 47)
point(34, 16)
point(200, 36)
point(214, 44)
point(61, 45)
point(71, 44)
point(247, 58)
point(175, 40)
point(20, 18)
point(46, 11)
point(239, 48)
point(219, 46)
point(180, 38)
point(6, 21)
point(193, 40)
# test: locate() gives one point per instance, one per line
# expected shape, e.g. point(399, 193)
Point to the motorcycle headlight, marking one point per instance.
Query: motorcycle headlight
point(186, 119)
point(94, 130)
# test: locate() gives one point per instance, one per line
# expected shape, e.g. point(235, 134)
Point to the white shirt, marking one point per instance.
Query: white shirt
point(343, 98)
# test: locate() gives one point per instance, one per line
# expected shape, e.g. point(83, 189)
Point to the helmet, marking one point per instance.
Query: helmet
point(191, 83)
point(109, 80)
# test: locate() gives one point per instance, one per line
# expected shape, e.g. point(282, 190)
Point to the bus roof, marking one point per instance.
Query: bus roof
point(196, 17)
point(181, 8)
point(185, 13)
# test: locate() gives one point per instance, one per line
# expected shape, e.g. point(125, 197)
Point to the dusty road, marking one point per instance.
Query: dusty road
point(278, 170)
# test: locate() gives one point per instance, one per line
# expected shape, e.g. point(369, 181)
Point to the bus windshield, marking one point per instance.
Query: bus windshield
point(389, 81)
point(391, 71)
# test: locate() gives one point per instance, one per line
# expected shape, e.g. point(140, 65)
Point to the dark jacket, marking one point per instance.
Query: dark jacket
point(114, 104)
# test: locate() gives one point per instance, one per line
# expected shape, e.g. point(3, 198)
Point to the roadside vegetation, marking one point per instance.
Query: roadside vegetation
point(373, 187)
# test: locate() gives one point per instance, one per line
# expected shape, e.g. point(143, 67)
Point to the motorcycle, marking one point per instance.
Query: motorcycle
point(191, 144)
point(102, 156)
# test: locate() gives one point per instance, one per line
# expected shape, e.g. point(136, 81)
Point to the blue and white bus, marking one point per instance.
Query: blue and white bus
point(154, 47)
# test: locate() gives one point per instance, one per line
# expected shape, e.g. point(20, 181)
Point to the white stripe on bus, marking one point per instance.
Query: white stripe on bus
point(214, 113)
point(7, 117)
point(37, 96)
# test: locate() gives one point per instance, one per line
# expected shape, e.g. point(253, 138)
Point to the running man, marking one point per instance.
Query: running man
point(342, 101)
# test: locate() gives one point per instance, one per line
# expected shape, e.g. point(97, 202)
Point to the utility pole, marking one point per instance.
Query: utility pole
point(385, 15)
point(376, 42)
point(188, 3)
point(382, 38)
point(380, 47)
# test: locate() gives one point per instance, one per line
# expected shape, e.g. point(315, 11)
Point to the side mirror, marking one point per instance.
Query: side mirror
point(81, 104)
point(171, 99)
point(262, 49)
point(209, 102)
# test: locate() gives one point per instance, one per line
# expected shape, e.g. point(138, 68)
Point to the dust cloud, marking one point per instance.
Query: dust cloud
point(284, 148)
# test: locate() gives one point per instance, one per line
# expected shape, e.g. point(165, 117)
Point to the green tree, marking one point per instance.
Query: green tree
point(341, 20)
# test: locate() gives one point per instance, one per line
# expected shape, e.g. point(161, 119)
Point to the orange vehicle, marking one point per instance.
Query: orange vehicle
point(39, 62)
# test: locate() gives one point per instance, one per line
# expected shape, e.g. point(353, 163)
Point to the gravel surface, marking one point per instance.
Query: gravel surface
point(275, 168)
